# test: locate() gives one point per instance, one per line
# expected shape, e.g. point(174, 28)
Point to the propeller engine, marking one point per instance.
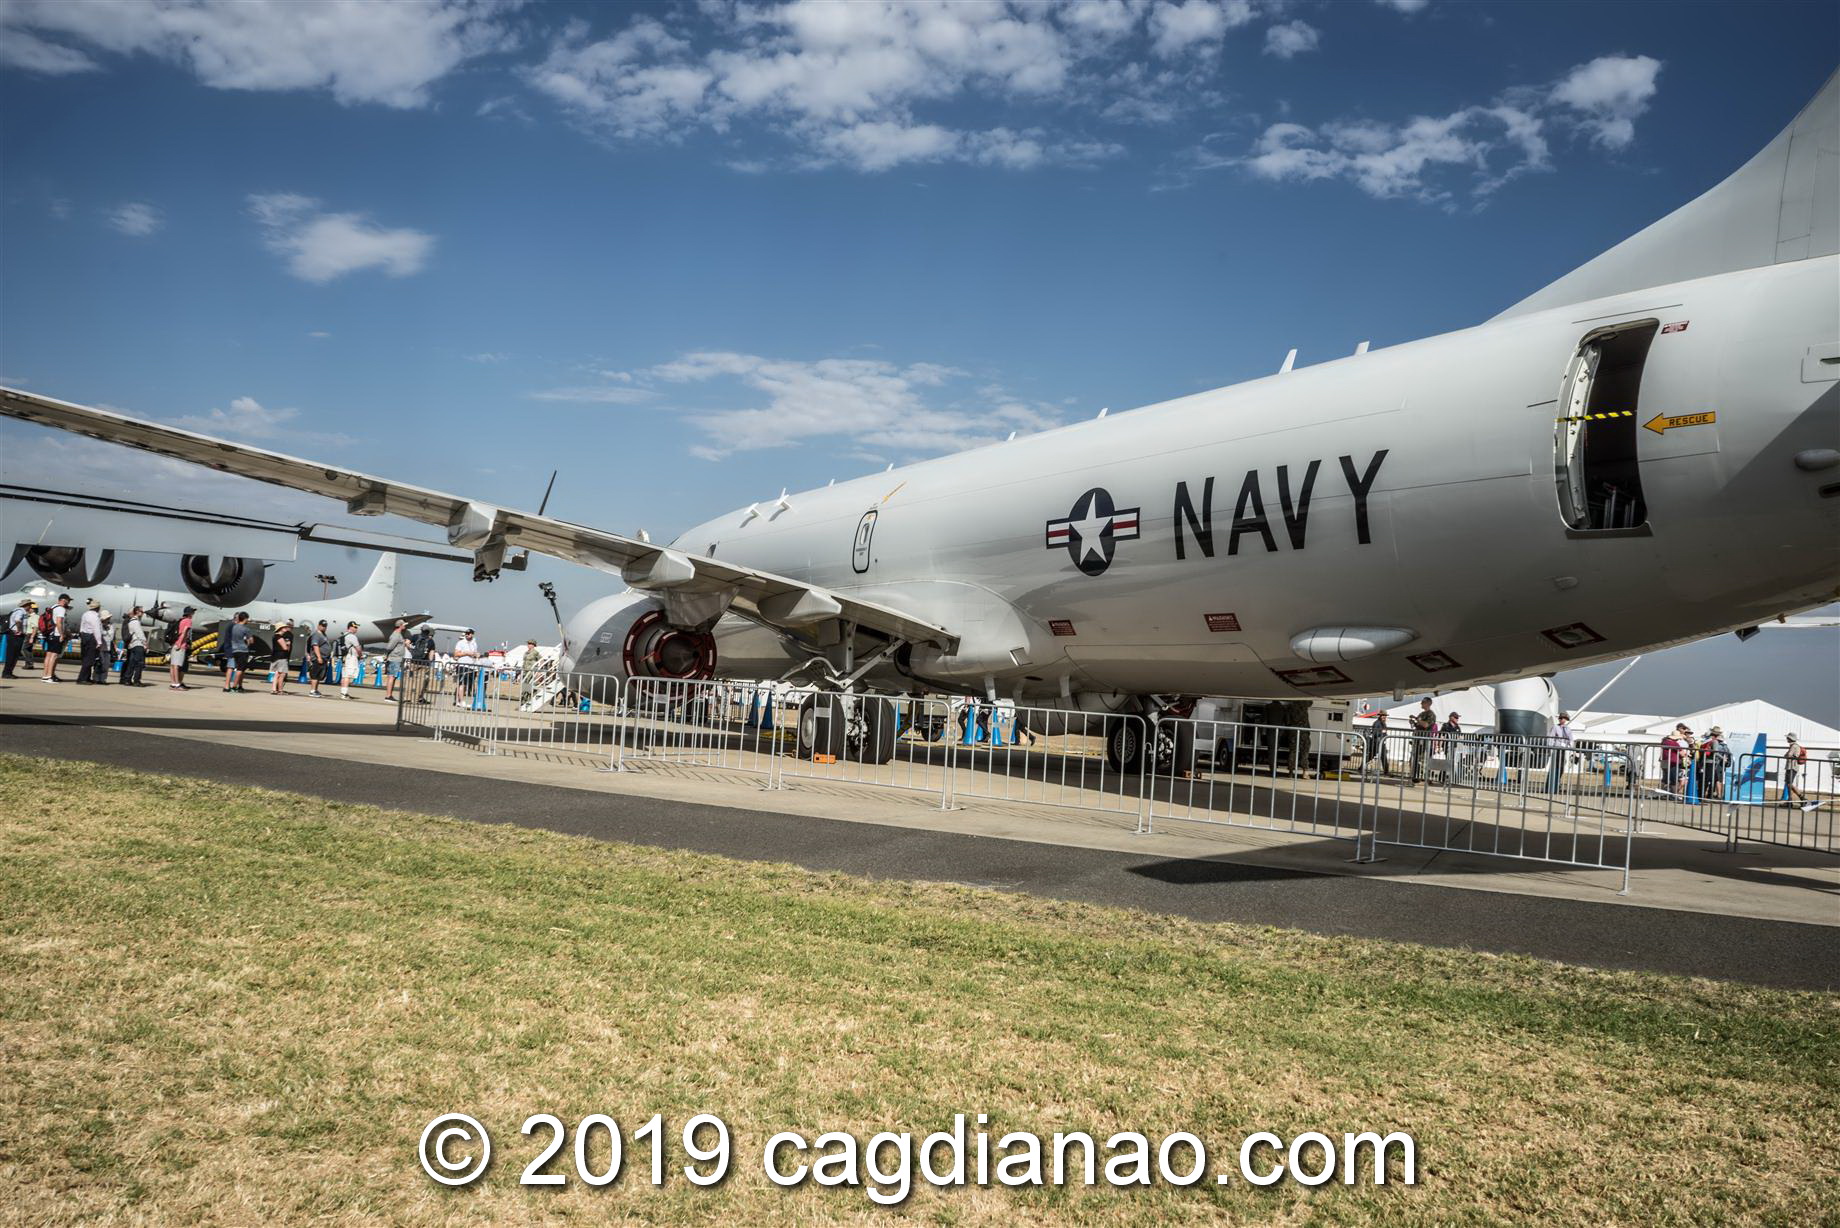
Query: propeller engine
point(223, 582)
point(70, 566)
point(628, 635)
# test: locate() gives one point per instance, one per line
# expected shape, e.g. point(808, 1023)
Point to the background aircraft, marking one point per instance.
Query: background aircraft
point(373, 607)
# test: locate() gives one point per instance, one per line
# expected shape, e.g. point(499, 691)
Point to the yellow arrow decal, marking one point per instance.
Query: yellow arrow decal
point(1661, 423)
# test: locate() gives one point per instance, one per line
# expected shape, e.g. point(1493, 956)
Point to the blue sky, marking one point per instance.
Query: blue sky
point(690, 254)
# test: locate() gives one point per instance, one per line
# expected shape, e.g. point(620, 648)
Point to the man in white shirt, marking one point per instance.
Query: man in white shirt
point(134, 640)
point(354, 659)
point(60, 632)
point(466, 665)
point(90, 629)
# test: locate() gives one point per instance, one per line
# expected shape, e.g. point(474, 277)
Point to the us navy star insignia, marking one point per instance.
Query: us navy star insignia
point(1091, 531)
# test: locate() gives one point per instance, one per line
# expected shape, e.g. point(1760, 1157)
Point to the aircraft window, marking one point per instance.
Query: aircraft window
point(1597, 434)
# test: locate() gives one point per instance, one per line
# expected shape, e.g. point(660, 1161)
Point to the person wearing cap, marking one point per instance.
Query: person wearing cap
point(1795, 762)
point(105, 651)
point(134, 648)
point(179, 648)
point(1673, 746)
point(396, 654)
point(89, 630)
point(53, 624)
point(283, 653)
point(1714, 755)
point(18, 633)
point(236, 651)
point(466, 662)
point(353, 650)
point(319, 655)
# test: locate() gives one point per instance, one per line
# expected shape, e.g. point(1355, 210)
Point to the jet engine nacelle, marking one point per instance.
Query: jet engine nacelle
point(628, 635)
point(70, 566)
point(224, 583)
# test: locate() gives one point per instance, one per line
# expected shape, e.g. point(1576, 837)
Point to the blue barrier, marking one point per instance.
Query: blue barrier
point(479, 690)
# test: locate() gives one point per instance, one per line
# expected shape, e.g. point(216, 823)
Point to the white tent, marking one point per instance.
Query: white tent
point(1747, 716)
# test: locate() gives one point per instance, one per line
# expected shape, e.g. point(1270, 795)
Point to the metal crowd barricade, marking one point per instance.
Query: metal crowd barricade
point(1277, 778)
point(695, 722)
point(923, 738)
point(1524, 799)
point(556, 713)
point(1045, 756)
point(414, 697)
point(1780, 797)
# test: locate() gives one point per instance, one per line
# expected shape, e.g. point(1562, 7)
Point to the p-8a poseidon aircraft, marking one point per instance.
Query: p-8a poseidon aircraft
point(1645, 452)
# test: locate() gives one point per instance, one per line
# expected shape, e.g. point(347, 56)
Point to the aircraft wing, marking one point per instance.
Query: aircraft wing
point(487, 530)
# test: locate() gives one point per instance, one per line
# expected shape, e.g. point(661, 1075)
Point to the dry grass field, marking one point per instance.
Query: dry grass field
point(240, 1007)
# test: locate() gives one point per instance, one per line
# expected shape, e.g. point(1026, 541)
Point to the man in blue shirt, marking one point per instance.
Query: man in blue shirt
point(236, 651)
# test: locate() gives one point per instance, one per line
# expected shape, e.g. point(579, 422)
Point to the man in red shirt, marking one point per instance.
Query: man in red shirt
point(177, 649)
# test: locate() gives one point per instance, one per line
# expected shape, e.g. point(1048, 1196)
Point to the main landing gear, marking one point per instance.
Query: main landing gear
point(1126, 750)
point(857, 728)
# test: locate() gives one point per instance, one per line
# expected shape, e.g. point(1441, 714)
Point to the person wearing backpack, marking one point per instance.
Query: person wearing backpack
point(54, 629)
point(19, 625)
point(1795, 762)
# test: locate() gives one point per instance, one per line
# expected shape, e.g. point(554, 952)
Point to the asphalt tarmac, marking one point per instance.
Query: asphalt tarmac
point(1763, 952)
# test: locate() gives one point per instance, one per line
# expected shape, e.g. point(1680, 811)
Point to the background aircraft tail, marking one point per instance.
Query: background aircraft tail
point(1782, 205)
point(378, 595)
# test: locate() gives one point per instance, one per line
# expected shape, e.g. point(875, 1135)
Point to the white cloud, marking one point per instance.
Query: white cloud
point(1291, 39)
point(321, 246)
point(361, 51)
point(1194, 25)
point(1404, 6)
point(135, 218)
point(319, 334)
point(1476, 148)
point(849, 84)
point(248, 419)
point(487, 357)
point(1610, 93)
point(864, 404)
point(24, 50)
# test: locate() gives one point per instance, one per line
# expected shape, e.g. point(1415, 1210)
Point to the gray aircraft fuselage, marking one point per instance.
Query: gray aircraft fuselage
point(1387, 521)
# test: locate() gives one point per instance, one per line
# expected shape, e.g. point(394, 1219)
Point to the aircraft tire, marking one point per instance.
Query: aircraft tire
point(1175, 748)
point(823, 726)
point(879, 732)
point(1124, 746)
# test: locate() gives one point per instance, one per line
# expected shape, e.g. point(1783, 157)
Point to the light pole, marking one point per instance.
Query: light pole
point(325, 582)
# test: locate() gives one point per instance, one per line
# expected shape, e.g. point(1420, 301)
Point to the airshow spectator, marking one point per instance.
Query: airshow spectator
point(1452, 726)
point(354, 658)
point(421, 657)
point(1709, 758)
point(19, 626)
point(105, 651)
point(1424, 724)
point(1376, 743)
point(395, 653)
point(89, 629)
point(283, 657)
point(54, 626)
point(528, 666)
point(466, 662)
point(1795, 762)
point(134, 649)
point(179, 649)
point(1672, 746)
point(236, 651)
point(319, 656)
